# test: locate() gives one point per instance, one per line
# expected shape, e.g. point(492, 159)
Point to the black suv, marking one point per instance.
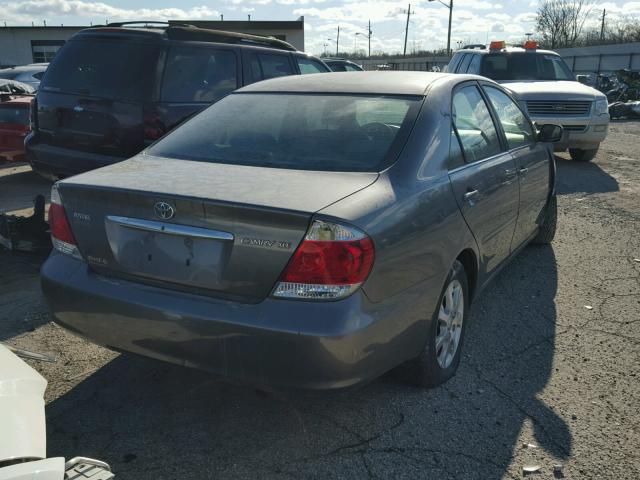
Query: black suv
point(113, 90)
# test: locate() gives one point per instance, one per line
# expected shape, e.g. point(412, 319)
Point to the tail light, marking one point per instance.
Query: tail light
point(61, 234)
point(153, 126)
point(332, 262)
point(33, 114)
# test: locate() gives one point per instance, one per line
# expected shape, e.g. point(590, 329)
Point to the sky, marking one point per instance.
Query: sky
point(474, 21)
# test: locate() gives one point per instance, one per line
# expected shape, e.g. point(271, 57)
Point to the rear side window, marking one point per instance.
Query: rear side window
point(465, 63)
point(269, 65)
point(9, 73)
point(308, 65)
point(474, 125)
point(474, 66)
point(38, 75)
point(451, 67)
point(101, 68)
point(352, 68)
point(199, 75)
point(19, 116)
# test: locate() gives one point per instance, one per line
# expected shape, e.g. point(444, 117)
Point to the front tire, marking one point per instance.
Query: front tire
point(440, 357)
point(580, 155)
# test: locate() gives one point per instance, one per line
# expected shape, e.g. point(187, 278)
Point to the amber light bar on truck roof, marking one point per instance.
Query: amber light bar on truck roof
point(530, 45)
point(498, 45)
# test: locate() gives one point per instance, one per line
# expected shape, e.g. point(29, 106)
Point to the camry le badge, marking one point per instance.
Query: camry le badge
point(78, 108)
point(164, 210)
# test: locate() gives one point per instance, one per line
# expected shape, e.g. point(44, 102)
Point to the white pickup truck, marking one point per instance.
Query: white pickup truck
point(546, 89)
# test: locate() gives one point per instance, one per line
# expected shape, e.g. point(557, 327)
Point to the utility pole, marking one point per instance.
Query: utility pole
point(604, 14)
point(338, 42)
point(449, 33)
point(368, 34)
point(406, 32)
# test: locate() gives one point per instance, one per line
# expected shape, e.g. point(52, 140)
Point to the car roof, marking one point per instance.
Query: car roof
point(385, 83)
point(505, 50)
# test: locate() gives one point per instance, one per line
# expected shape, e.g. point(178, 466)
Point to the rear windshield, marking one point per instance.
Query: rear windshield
point(525, 66)
point(296, 131)
point(15, 115)
point(103, 68)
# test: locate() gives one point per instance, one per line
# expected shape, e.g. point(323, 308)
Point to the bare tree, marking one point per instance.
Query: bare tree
point(560, 22)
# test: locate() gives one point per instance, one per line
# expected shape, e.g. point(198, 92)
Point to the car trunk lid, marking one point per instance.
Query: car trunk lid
point(223, 230)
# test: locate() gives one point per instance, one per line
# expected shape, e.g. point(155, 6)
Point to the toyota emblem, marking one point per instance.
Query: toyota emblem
point(164, 210)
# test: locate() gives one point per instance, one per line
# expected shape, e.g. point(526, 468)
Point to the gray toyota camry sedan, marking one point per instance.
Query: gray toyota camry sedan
point(312, 231)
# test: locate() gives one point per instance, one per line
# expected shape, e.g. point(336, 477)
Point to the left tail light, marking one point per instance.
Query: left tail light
point(61, 233)
point(33, 114)
point(332, 262)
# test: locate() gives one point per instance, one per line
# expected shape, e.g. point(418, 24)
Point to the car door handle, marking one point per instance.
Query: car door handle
point(523, 170)
point(510, 171)
point(469, 196)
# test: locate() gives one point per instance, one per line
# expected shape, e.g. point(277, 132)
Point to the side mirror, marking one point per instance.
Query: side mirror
point(584, 79)
point(550, 133)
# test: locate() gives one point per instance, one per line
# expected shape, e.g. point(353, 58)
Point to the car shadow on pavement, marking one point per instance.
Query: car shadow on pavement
point(582, 177)
point(153, 420)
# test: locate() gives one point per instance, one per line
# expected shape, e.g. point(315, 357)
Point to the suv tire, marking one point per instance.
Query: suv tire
point(580, 155)
point(426, 370)
point(547, 230)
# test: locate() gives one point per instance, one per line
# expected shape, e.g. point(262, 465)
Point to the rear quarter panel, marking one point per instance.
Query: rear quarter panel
point(412, 216)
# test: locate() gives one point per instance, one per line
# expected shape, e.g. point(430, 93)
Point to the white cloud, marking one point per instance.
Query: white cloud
point(26, 11)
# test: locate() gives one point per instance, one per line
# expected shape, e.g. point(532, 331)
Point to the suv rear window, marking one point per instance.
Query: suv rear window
point(104, 68)
point(296, 131)
point(525, 66)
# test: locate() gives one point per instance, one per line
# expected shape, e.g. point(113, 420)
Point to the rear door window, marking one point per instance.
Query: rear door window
point(474, 125)
point(308, 65)
point(516, 127)
point(195, 75)
point(104, 68)
point(269, 65)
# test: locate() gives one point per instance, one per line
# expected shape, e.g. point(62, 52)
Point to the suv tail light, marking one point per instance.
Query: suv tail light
point(33, 114)
point(61, 234)
point(332, 262)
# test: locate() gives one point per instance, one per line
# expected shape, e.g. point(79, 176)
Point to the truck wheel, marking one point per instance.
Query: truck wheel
point(547, 230)
point(580, 155)
point(440, 357)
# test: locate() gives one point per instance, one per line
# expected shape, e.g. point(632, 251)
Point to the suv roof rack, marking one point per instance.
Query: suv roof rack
point(180, 31)
point(191, 33)
point(144, 23)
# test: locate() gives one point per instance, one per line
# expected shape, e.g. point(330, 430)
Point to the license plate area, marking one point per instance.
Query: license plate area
point(176, 253)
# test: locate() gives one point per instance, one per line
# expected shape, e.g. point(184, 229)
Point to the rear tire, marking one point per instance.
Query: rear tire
point(435, 365)
point(547, 230)
point(580, 155)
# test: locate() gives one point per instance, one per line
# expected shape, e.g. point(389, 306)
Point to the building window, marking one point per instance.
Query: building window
point(44, 50)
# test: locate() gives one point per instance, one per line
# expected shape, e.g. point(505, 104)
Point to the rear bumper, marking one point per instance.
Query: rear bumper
point(58, 162)
point(315, 345)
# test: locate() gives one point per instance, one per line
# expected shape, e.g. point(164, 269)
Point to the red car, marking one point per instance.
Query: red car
point(14, 126)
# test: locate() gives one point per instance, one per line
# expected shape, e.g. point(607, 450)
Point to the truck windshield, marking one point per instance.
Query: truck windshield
point(348, 133)
point(525, 66)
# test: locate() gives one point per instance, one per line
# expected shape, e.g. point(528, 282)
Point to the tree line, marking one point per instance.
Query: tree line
point(578, 23)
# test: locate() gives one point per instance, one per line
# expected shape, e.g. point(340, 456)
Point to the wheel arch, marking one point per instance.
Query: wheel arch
point(469, 261)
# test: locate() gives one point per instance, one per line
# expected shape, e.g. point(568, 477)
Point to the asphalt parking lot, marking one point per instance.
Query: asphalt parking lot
point(551, 360)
